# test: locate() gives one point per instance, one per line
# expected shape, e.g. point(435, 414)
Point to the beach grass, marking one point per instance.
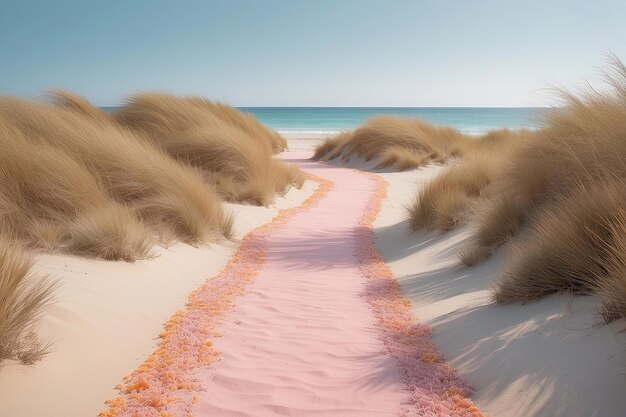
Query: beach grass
point(23, 296)
point(47, 197)
point(113, 233)
point(78, 180)
point(231, 149)
point(466, 180)
point(610, 281)
point(166, 195)
point(401, 158)
point(558, 193)
point(566, 248)
point(332, 147)
point(448, 195)
point(396, 142)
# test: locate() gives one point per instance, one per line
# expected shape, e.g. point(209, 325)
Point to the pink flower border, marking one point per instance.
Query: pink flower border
point(436, 389)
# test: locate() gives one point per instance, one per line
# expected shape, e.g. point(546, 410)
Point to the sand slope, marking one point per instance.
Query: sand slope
point(107, 317)
point(543, 359)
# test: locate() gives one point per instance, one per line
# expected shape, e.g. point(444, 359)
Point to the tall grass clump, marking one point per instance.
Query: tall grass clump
point(441, 203)
point(449, 197)
point(496, 220)
point(401, 159)
point(23, 296)
point(567, 248)
point(581, 144)
point(244, 121)
point(610, 282)
point(333, 147)
point(564, 189)
point(167, 196)
point(446, 199)
point(396, 142)
point(232, 150)
point(112, 232)
point(557, 193)
point(45, 192)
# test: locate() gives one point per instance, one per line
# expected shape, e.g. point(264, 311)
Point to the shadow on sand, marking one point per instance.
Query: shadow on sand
point(498, 345)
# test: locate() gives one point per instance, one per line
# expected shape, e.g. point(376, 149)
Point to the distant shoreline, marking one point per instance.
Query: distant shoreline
point(328, 121)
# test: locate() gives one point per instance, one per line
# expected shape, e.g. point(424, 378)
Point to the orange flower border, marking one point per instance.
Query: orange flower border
point(436, 389)
point(164, 385)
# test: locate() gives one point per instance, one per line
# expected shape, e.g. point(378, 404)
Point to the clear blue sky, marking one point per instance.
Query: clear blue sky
point(316, 53)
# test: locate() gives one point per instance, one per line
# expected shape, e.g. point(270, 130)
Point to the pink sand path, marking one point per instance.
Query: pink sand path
point(312, 334)
point(302, 341)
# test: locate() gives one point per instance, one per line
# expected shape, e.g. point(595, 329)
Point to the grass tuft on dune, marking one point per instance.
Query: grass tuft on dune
point(43, 193)
point(112, 233)
point(168, 196)
point(395, 142)
point(75, 179)
point(231, 149)
point(557, 193)
point(568, 245)
point(570, 184)
point(610, 282)
point(23, 296)
point(77, 104)
point(448, 195)
point(465, 181)
point(333, 147)
point(401, 158)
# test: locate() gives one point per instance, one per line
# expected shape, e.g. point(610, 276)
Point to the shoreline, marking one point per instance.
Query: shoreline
point(292, 135)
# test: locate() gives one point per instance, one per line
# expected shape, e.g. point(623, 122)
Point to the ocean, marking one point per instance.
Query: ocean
point(328, 120)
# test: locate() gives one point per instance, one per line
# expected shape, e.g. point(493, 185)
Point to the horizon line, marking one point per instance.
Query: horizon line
point(373, 107)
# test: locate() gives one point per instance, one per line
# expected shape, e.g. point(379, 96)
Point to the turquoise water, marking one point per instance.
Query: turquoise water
point(327, 120)
point(472, 120)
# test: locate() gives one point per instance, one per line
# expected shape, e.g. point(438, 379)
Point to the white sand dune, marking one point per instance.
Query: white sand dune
point(548, 358)
point(543, 359)
point(106, 317)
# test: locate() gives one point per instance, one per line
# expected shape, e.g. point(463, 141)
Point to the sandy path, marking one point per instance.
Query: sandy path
point(294, 327)
point(302, 341)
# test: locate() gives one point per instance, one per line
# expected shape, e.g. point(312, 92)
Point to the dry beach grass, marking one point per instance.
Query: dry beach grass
point(166, 195)
point(568, 186)
point(395, 142)
point(563, 186)
point(23, 297)
point(44, 192)
point(464, 181)
point(76, 180)
point(232, 150)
